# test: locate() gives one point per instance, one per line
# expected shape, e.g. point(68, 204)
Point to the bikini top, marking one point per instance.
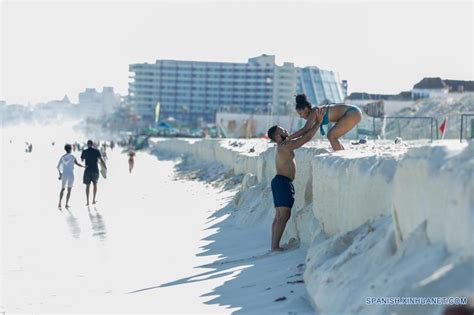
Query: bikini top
point(325, 121)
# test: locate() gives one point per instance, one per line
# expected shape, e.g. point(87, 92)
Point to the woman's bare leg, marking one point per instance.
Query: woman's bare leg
point(343, 126)
point(60, 197)
point(68, 196)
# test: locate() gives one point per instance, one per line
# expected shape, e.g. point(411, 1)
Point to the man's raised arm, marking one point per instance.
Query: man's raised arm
point(297, 143)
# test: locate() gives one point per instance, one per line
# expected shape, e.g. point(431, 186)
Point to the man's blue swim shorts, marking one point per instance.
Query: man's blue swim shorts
point(283, 191)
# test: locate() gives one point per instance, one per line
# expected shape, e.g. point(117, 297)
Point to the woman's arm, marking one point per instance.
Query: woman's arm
point(295, 144)
point(309, 124)
point(77, 163)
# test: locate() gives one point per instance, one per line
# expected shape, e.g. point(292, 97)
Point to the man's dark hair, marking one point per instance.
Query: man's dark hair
point(302, 101)
point(68, 148)
point(90, 143)
point(271, 132)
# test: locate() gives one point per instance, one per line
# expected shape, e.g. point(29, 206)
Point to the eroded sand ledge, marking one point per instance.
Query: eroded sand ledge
point(378, 220)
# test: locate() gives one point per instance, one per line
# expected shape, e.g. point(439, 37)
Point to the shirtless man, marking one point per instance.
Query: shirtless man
point(282, 184)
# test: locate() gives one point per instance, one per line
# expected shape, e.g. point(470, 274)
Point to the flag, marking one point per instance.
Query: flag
point(157, 112)
point(442, 128)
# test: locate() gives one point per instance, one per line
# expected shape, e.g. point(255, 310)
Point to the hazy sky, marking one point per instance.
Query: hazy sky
point(49, 49)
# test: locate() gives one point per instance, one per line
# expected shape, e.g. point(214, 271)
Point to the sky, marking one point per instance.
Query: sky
point(50, 49)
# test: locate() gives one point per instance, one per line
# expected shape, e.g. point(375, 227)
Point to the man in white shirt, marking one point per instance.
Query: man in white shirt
point(66, 165)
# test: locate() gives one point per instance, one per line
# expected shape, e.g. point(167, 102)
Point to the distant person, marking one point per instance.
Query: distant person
point(91, 174)
point(66, 173)
point(131, 160)
point(345, 117)
point(282, 184)
point(112, 144)
point(30, 148)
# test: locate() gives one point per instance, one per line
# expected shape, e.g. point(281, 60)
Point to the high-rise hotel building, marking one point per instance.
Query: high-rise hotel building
point(192, 91)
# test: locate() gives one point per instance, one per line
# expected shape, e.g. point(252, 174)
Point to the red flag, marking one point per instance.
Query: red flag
point(442, 128)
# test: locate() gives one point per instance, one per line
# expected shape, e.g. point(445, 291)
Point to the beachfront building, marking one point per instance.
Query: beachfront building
point(320, 85)
point(95, 104)
point(193, 91)
point(429, 87)
point(14, 113)
point(460, 86)
point(55, 109)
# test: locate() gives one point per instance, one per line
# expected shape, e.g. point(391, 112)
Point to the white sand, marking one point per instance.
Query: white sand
point(377, 220)
point(153, 244)
point(439, 108)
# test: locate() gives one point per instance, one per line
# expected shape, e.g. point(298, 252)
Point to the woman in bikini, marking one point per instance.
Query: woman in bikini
point(344, 116)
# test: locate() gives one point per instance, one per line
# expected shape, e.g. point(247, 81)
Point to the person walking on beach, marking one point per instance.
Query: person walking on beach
point(29, 147)
point(282, 184)
point(345, 117)
point(131, 160)
point(91, 174)
point(66, 174)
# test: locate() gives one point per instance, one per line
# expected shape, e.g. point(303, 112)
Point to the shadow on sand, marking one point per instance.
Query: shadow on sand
point(97, 223)
point(72, 223)
point(256, 280)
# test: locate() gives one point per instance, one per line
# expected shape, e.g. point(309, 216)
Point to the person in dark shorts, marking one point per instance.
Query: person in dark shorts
point(91, 174)
point(282, 184)
point(283, 191)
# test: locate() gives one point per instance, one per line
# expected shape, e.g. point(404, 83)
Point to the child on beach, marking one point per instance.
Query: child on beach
point(344, 116)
